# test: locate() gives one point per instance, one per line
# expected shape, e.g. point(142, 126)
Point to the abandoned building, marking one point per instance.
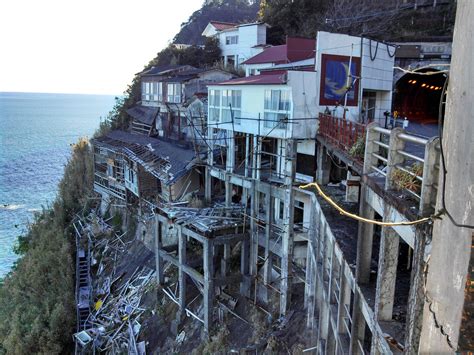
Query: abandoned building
point(244, 147)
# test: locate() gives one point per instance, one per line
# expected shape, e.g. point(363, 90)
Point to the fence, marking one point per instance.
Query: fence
point(407, 162)
point(340, 132)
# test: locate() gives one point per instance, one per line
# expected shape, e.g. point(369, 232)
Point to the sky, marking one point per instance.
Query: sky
point(86, 46)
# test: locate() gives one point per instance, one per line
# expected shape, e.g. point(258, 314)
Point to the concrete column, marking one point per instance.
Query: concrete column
point(323, 165)
point(259, 157)
point(253, 229)
point(267, 271)
point(158, 231)
point(230, 159)
point(247, 154)
point(228, 190)
point(352, 187)
point(430, 177)
point(181, 273)
point(244, 268)
point(395, 145)
point(208, 260)
point(387, 274)
point(225, 260)
point(416, 297)
point(365, 235)
point(210, 162)
point(288, 217)
point(447, 318)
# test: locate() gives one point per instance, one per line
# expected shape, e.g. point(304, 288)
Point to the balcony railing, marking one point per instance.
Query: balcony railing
point(404, 162)
point(340, 132)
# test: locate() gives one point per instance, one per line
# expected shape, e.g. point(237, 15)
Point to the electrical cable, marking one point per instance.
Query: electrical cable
point(362, 219)
point(443, 160)
point(372, 58)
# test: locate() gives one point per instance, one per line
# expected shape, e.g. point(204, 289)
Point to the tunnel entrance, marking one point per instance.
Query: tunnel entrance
point(417, 97)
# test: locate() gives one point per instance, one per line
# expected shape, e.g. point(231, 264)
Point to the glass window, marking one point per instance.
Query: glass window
point(277, 108)
point(174, 93)
point(231, 39)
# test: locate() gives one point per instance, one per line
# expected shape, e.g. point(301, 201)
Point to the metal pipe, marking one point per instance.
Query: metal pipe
point(413, 139)
point(378, 170)
point(398, 166)
point(381, 130)
point(411, 156)
point(381, 144)
point(380, 157)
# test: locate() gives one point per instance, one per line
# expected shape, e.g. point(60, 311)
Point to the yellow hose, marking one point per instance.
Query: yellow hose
point(359, 218)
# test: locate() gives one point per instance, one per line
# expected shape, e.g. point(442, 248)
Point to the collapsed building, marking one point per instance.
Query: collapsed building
point(243, 149)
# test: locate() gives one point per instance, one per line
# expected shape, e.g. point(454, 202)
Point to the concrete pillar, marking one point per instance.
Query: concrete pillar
point(208, 260)
point(267, 271)
point(181, 274)
point(387, 274)
point(230, 158)
point(323, 165)
point(447, 318)
point(416, 297)
point(225, 260)
point(244, 268)
point(254, 205)
point(352, 187)
point(365, 235)
point(158, 231)
point(430, 177)
point(395, 145)
point(210, 162)
point(288, 217)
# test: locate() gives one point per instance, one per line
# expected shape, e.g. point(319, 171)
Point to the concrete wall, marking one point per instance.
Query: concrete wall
point(376, 73)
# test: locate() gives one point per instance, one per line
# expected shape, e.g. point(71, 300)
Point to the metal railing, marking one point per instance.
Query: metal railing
point(340, 132)
point(406, 162)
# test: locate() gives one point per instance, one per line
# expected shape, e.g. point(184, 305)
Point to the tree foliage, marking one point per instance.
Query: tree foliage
point(388, 20)
point(37, 314)
point(235, 11)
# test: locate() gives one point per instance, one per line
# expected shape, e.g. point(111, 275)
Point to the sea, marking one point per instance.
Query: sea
point(36, 133)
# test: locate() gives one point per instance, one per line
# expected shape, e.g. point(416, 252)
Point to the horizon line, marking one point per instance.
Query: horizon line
point(61, 93)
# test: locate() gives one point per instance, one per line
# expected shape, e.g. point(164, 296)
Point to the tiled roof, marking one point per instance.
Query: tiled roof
point(143, 114)
point(294, 50)
point(267, 79)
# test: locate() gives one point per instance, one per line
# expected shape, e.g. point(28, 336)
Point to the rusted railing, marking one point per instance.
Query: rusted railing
point(340, 132)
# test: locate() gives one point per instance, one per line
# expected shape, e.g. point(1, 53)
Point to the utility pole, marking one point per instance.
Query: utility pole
point(448, 322)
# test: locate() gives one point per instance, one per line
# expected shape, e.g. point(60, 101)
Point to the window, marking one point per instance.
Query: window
point(152, 91)
point(174, 93)
point(277, 108)
point(225, 105)
point(231, 105)
point(214, 104)
point(232, 40)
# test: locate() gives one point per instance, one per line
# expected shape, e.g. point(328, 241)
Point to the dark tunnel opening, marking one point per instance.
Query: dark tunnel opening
point(417, 97)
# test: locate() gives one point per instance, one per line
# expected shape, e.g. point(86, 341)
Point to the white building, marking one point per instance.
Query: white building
point(370, 82)
point(238, 42)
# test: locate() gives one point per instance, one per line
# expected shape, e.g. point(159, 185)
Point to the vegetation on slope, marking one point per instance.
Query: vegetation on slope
point(390, 20)
point(235, 11)
point(37, 297)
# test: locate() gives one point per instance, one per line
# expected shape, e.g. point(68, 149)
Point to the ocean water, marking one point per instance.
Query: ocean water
point(36, 131)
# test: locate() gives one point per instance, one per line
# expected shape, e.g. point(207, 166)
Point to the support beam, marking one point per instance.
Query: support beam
point(181, 273)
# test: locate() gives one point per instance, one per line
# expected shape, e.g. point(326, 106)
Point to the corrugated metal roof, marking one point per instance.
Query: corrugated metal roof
point(164, 160)
point(276, 54)
point(143, 114)
point(220, 26)
point(267, 79)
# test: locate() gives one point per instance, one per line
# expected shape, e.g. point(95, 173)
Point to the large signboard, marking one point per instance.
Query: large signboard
point(334, 79)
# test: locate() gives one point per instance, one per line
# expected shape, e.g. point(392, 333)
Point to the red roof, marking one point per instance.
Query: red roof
point(267, 79)
point(276, 54)
point(294, 50)
point(220, 26)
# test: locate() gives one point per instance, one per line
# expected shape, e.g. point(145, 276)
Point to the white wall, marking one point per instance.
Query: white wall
point(376, 74)
point(302, 105)
point(249, 36)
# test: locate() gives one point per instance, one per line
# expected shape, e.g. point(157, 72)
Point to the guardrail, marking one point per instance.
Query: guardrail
point(340, 132)
point(407, 162)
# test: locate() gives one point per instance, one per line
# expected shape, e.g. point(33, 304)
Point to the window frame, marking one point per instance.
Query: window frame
point(276, 107)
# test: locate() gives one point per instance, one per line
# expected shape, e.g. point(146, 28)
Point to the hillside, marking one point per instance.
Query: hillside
point(237, 11)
